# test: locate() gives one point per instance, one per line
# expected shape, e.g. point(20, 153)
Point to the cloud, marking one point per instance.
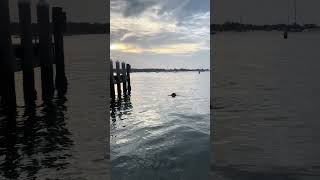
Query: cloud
point(163, 28)
point(131, 7)
point(127, 48)
point(136, 7)
point(144, 26)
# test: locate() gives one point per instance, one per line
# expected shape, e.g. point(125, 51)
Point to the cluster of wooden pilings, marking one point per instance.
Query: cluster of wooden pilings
point(44, 51)
point(120, 76)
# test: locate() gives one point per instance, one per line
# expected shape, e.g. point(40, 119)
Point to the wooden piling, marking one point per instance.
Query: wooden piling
point(64, 23)
point(122, 76)
point(27, 48)
point(58, 19)
point(128, 78)
point(124, 79)
point(118, 79)
point(7, 83)
point(112, 95)
point(46, 59)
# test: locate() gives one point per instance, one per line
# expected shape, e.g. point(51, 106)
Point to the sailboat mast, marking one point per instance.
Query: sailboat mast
point(295, 11)
point(288, 12)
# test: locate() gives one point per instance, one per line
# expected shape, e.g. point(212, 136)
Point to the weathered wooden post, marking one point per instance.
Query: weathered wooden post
point(124, 78)
point(64, 28)
point(58, 29)
point(29, 91)
point(7, 60)
point(112, 92)
point(128, 78)
point(46, 59)
point(118, 79)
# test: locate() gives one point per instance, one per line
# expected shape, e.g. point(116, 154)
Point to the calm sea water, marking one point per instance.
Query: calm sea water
point(67, 138)
point(155, 136)
point(266, 106)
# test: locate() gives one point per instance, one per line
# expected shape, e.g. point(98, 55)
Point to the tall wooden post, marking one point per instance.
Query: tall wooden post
point(29, 91)
point(45, 43)
point(64, 18)
point(118, 79)
point(124, 78)
point(7, 60)
point(58, 29)
point(112, 92)
point(128, 78)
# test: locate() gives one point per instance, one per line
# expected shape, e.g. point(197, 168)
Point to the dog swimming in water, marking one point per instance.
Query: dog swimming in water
point(173, 95)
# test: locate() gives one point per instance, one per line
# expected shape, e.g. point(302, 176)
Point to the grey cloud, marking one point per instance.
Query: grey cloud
point(136, 7)
point(180, 8)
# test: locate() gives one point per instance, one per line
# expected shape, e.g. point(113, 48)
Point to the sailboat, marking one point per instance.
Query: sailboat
point(295, 27)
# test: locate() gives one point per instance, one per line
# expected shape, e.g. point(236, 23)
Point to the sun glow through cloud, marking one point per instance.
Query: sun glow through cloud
point(167, 49)
point(125, 48)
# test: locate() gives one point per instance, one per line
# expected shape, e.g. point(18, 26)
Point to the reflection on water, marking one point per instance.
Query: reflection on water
point(155, 136)
point(65, 139)
point(34, 141)
point(120, 107)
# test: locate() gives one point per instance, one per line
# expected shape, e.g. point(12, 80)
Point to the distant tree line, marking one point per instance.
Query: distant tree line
point(72, 28)
point(167, 70)
point(235, 26)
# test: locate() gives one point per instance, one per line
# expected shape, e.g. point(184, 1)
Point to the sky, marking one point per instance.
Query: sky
point(266, 11)
point(77, 10)
point(161, 34)
point(175, 33)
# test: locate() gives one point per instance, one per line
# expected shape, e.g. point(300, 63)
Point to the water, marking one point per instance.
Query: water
point(266, 106)
point(155, 136)
point(67, 138)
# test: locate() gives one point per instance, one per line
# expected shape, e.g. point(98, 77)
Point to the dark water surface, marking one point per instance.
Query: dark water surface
point(266, 106)
point(65, 139)
point(155, 136)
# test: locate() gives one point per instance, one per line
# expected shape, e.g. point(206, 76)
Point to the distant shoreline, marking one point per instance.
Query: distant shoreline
point(238, 27)
point(169, 70)
point(72, 28)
